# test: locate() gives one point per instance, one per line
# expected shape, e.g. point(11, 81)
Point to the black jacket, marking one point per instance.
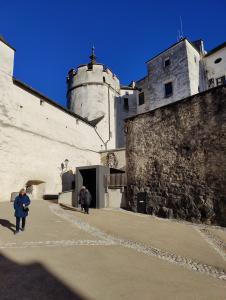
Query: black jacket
point(85, 197)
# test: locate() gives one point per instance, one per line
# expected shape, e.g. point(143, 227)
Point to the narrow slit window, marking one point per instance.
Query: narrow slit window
point(166, 62)
point(126, 104)
point(168, 89)
point(141, 98)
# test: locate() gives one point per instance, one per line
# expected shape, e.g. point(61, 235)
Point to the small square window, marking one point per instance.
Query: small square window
point(168, 89)
point(220, 80)
point(166, 62)
point(141, 98)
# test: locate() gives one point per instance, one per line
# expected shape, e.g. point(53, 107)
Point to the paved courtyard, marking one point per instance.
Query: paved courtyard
point(109, 254)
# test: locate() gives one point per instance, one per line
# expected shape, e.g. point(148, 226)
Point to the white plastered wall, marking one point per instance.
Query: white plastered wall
point(92, 94)
point(216, 70)
point(36, 137)
point(193, 58)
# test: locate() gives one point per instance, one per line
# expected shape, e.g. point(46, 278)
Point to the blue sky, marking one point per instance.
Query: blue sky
point(52, 37)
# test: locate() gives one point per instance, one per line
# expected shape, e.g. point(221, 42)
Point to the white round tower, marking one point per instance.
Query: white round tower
point(92, 91)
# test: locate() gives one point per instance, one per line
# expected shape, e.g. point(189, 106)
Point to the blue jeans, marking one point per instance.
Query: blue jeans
point(18, 223)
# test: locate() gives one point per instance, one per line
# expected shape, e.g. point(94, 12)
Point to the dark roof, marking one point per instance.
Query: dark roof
point(4, 41)
point(48, 100)
point(96, 121)
point(84, 65)
point(216, 49)
point(198, 44)
point(176, 102)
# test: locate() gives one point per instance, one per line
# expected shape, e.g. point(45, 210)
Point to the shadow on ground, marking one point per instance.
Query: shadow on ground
point(7, 224)
point(65, 207)
point(31, 281)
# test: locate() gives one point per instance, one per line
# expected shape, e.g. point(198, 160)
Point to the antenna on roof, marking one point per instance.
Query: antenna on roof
point(181, 28)
point(180, 34)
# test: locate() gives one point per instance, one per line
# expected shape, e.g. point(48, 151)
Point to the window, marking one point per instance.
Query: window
point(126, 103)
point(218, 60)
point(104, 80)
point(166, 62)
point(168, 89)
point(211, 83)
point(221, 80)
point(90, 67)
point(141, 98)
point(195, 59)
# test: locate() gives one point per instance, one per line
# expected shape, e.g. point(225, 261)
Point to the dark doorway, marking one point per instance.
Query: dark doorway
point(141, 202)
point(89, 181)
point(92, 177)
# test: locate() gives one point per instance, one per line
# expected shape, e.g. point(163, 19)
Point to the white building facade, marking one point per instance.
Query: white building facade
point(215, 65)
point(182, 70)
point(39, 136)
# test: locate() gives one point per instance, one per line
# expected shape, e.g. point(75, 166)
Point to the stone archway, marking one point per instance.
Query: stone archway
point(35, 189)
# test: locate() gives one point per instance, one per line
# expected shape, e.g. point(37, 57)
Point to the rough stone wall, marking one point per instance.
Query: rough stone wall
point(177, 156)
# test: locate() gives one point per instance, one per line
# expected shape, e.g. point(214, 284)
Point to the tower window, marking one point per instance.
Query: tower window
point(166, 62)
point(104, 79)
point(141, 98)
point(168, 89)
point(126, 104)
point(220, 80)
point(90, 67)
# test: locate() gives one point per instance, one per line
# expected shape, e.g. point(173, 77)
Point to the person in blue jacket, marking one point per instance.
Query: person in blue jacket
point(21, 204)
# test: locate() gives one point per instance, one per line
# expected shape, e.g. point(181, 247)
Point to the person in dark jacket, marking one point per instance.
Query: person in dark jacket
point(88, 199)
point(85, 199)
point(21, 204)
point(82, 197)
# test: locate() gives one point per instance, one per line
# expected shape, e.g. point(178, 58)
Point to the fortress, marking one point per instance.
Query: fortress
point(42, 140)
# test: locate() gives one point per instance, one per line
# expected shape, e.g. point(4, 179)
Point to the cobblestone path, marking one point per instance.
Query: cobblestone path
point(181, 261)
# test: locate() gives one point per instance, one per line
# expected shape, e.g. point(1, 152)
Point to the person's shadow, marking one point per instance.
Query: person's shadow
point(7, 224)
